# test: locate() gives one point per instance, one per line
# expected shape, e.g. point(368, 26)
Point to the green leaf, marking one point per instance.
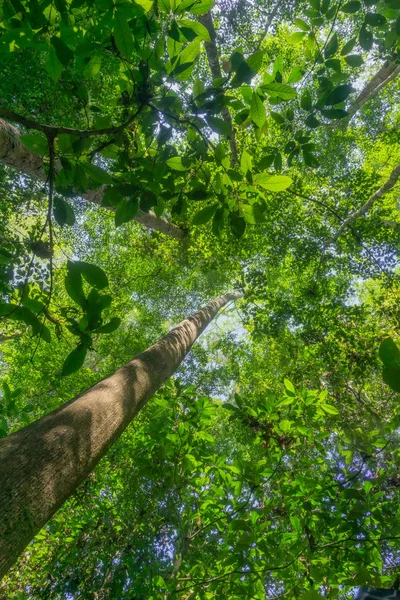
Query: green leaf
point(334, 113)
point(145, 4)
point(328, 408)
point(366, 39)
point(257, 110)
point(391, 376)
point(53, 65)
point(36, 142)
point(97, 174)
point(74, 360)
point(110, 326)
point(176, 163)
point(375, 19)
point(93, 274)
point(198, 28)
point(354, 60)
point(274, 183)
point(205, 214)
point(295, 75)
point(312, 121)
point(339, 94)
point(63, 212)
point(218, 125)
point(280, 90)
point(126, 211)
point(332, 46)
point(123, 34)
point(63, 52)
point(348, 47)
point(302, 24)
point(306, 101)
point(255, 61)
point(289, 386)
point(296, 38)
point(237, 224)
point(295, 521)
point(201, 7)
point(351, 7)
point(389, 353)
point(74, 286)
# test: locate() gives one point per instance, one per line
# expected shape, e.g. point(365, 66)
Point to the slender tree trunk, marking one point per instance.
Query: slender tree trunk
point(386, 187)
point(42, 464)
point(14, 154)
point(387, 73)
point(213, 61)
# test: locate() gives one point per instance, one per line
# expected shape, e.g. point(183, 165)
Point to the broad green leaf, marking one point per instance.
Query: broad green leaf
point(126, 211)
point(53, 65)
point(257, 110)
point(237, 224)
point(63, 212)
point(110, 326)
point(205, 214)
point(218, 125)
point(289, 386)
point(198, 28)
point(123, 34)
point(281, 90)
point(93, 274)
point(351, 7)
point(339, 94)
point(36, 142)
point(354, 60)
point(176, 164)
point(366, 39)
point(297, 37)
point(97, 174)
point(74, 285)
point(201, 7)
point(63, 52)
point(391, 376)
point(328, 408)
point(145, 4)
point(274, 183)
point(389, 353)
point(74, 360)
point(332, 46)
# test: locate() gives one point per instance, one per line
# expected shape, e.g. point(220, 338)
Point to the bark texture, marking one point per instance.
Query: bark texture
point(42, 464)
point(388, 185)
point(215, 68)
point(387, 73)
point(14, 154)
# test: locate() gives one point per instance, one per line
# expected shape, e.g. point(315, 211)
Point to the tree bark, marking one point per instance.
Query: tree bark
point(387, 73)
point(215, 68)
point(388, 185)
point(14, 154)
point(42, 464)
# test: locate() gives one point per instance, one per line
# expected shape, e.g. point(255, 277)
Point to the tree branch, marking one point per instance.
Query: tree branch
point(14, 154)
point(55, 130)
point(215, 68)
point(387, 73)
point(388, 185)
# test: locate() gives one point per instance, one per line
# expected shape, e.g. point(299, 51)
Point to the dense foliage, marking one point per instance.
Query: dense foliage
point(155, 154)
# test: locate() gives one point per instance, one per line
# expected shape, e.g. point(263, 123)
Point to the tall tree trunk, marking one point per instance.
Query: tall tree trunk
point(42, 464)
point(215, 68)
point(14, 154)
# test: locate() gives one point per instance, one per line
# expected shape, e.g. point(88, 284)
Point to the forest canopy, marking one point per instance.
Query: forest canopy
point(156, 155)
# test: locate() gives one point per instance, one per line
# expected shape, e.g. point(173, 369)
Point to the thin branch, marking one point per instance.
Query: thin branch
point(271, 17)
point(55, 130)
point(388, 185)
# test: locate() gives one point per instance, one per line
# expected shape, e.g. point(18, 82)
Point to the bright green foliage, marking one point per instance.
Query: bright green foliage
point(268, 467)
